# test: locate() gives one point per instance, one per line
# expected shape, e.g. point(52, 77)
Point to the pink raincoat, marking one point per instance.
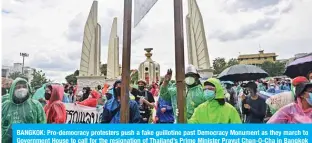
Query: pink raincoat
point(154, 90)
point(292, 113)
point(55, 109)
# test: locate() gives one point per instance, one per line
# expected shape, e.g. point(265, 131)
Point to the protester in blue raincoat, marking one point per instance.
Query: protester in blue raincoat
point(164, 112)
point(111, 111)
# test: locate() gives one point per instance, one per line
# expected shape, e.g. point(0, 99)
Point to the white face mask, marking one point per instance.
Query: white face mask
point(190, 80)
point(21, 93)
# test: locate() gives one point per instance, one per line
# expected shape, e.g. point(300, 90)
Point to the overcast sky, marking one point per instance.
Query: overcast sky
point(51, 31)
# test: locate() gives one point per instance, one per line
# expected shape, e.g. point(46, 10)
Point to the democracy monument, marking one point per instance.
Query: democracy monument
point(149, 70)
point(196, 41)
point(89, 72)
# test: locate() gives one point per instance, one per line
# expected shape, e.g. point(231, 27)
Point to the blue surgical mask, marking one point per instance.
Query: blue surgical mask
point(209, 94)
point(309, 100)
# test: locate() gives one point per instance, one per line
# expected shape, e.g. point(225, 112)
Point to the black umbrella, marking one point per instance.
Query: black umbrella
point(242, 73)
point(299, 67)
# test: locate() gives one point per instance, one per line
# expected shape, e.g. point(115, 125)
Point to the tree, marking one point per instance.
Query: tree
point(103, 69)
point(16, 75)
point(273, 69)
point(219, 64)
point(72, 78)
point(232, 62)
point(39, 79)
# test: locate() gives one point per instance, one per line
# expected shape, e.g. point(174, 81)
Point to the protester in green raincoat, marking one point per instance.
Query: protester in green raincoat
point(194, 96)
point(4, 98)
point(20, 108)
point(215, 110)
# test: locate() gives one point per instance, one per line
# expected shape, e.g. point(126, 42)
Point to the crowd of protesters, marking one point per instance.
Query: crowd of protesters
point(210, 101)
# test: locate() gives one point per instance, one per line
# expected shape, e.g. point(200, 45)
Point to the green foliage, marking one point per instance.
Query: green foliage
point(72, 78)
point(273, 69)
point(232, 62)
point(16, 75)
point(39, 79)
point(219, 64)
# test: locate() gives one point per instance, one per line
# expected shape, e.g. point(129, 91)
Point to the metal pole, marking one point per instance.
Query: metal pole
point(179, 58)
point(126, 58)
point(23, 64)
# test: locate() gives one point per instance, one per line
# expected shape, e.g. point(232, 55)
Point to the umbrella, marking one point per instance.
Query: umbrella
point(227, 82)
point(299, 67)
point(242, 73)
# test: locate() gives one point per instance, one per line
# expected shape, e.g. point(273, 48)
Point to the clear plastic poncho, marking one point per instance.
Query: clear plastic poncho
point(292, 113)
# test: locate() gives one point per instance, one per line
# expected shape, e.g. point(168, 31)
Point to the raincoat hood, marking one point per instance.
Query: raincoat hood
point(28, 112)
point(55, 110)
point(57, 93)
point(105, 88)
point(220, 94)
point(12, 89)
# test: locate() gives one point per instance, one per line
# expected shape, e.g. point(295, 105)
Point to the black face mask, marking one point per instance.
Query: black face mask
point(47, 96)
point(141, 87)
point(66, 90)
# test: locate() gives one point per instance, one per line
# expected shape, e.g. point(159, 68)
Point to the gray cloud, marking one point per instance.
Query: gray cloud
point(56, 62)
point(246, 5)
point(288, 8)
point(75, 28)
point(272, 11)
point(249, 31)
point(5, 11)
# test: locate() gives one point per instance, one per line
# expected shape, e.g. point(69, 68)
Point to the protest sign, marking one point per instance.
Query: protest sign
point(82, 114)
point(277, 101)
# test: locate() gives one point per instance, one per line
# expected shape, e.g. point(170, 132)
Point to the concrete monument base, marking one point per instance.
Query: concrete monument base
point(205, 73)
point(93, 81)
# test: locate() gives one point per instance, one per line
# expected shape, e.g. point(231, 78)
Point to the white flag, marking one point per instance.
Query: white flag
point(141, 8)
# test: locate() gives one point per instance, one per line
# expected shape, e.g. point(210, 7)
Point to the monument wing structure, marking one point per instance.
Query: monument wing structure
point(91, 51)
point(196, 40)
